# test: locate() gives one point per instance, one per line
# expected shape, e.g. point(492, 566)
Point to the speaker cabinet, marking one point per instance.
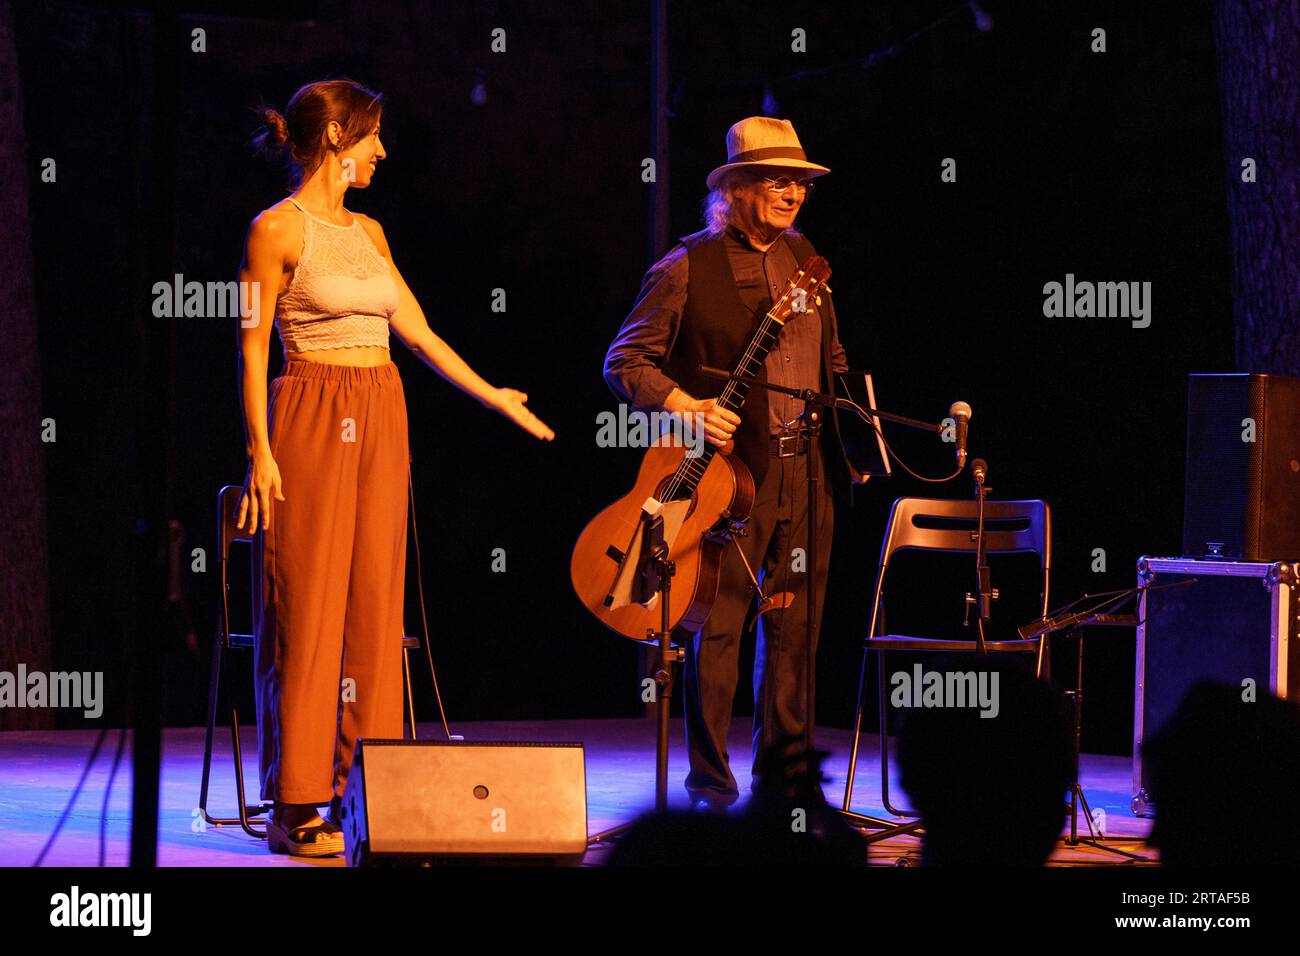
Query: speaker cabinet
point(422, 802)
point(1242, 500)
point(1237, 622)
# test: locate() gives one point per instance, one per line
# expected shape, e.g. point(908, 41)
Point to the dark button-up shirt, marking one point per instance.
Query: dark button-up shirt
point(633, 363)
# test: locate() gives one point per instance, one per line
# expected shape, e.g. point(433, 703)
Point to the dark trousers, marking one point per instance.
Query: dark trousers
point(776, 548)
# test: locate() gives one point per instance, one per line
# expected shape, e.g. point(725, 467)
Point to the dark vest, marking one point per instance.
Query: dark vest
point(714, 330)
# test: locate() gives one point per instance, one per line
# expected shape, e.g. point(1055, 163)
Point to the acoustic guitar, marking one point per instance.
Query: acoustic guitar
point(704, 499)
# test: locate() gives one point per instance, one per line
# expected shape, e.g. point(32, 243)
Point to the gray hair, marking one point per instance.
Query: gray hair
point(718, 204)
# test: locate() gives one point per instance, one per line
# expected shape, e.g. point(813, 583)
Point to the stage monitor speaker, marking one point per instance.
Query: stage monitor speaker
point(1242, 500)
point(426, 802)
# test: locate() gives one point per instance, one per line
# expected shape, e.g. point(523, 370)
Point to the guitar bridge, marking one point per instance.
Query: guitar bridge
point(725, 529)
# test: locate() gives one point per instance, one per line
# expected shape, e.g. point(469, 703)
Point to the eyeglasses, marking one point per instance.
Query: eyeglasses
point(779, 184)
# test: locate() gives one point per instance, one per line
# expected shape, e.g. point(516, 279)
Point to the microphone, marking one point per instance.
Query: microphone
point(960, 414)
point(979, 470)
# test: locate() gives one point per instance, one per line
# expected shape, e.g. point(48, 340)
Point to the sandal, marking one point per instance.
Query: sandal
point(308, 840)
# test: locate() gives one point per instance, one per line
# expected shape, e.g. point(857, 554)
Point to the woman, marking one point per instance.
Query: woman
point(328, 444)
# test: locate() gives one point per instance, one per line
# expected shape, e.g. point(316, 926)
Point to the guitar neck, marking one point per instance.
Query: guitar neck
point(751, 362)
point(732, 398)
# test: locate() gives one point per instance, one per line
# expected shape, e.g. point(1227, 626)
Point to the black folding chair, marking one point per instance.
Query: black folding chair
point(219, 681)
point(940, 525)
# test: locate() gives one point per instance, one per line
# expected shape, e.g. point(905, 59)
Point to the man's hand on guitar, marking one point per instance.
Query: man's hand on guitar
point(510, 403)
point(719, 423)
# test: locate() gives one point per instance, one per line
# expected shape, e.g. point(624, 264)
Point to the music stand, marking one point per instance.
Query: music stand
point(1070, 622)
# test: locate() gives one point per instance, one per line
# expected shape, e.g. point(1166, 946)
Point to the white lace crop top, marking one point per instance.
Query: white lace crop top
point(342, 293)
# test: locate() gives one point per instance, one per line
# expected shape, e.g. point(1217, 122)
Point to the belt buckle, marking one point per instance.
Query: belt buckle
point(781, 447)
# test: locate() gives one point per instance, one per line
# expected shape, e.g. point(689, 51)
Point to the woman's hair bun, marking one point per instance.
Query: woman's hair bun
point(297, 138)
point(277, 128)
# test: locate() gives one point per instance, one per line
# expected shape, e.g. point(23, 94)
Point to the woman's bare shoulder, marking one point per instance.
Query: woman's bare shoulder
point(277, 227)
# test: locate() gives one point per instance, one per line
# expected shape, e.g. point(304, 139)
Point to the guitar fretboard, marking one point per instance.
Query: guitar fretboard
point(691, 470)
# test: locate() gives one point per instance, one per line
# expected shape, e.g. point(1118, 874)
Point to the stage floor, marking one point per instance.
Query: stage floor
point(40, 770)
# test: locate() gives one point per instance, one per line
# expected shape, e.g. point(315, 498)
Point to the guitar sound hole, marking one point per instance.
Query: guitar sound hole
point(662, 489)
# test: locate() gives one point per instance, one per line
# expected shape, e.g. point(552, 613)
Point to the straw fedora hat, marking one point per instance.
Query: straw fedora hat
point(762, 141)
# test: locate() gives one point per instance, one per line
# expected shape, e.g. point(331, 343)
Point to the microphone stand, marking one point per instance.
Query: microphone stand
point(984, 590)
point(655, 575)
point(815, 403)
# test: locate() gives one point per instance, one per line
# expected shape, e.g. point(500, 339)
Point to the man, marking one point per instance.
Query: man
point(699, 305)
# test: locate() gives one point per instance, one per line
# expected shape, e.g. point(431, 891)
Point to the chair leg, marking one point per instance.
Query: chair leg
point(214, 684)
point(883, 724)
point(857, 736)
point(220, 682)
point(239, 779)
point(884, 744)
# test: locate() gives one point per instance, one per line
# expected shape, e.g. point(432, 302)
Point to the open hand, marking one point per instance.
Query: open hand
point(260, 486)
point(510, 403)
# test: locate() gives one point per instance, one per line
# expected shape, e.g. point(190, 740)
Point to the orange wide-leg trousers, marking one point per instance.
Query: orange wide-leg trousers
point(333, 561)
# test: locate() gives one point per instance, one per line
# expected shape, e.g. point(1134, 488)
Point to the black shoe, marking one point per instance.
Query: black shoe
point(708, 807)
point(790, 791)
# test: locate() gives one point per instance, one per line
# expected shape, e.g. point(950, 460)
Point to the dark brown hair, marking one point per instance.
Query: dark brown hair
point(300, 137)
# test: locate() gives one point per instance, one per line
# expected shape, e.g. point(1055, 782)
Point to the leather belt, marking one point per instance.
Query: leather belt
point(787, 446)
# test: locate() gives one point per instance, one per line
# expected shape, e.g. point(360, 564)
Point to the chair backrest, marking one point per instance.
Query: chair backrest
point(941, 524)
point(228, 534)
point(227, 512)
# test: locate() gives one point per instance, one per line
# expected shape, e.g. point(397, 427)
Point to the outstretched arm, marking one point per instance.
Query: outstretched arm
point(411, 327)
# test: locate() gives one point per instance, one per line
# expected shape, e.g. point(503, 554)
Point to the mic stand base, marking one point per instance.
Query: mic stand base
point(669, 657)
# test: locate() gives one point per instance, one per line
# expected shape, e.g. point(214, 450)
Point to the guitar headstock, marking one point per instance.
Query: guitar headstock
point(805, 285)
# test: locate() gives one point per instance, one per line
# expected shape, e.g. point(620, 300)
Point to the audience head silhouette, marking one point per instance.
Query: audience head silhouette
point(991, 789)
point(1219, 758)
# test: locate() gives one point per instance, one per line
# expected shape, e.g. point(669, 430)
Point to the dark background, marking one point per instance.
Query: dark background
point(1107, 165)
